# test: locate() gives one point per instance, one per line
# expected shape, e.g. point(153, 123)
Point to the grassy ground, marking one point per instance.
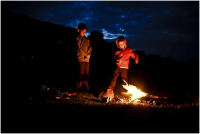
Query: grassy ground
point(85, 113)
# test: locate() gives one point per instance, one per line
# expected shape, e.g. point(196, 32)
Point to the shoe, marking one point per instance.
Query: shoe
point(87, 88)
point(79, 85)
point(108, 94)
point(106, 100)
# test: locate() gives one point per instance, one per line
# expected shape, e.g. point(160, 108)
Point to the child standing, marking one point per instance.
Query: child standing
point(84, 50)
point(122, 57)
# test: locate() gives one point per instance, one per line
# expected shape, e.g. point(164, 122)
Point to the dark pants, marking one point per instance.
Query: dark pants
point(118, 71)
point(83, 71)
point(83, 74)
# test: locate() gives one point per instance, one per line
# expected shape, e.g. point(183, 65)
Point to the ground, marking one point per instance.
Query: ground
point(85, 113)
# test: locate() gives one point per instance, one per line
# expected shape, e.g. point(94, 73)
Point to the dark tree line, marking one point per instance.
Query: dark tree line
point(36, 52)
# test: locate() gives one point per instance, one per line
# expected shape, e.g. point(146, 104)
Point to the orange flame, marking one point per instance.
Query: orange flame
point(133, 91)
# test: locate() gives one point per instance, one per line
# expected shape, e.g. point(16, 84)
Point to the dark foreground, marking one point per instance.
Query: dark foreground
point(81, 116)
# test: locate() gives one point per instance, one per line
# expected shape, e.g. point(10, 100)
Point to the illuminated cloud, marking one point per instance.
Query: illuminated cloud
point(121, 29)
point(113, 36)
point(110, 36)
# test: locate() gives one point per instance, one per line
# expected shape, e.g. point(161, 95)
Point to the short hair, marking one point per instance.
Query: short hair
point(121, 38)
point(82, 26)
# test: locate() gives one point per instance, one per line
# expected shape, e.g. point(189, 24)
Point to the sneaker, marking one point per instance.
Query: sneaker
point(79, 85)
point(106, 100)
point(109, 93)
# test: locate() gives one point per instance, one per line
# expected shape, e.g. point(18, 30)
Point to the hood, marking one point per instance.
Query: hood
point(121, 39)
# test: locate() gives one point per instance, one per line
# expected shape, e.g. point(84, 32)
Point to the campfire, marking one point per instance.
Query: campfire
point(133, 92)
point(135, 95)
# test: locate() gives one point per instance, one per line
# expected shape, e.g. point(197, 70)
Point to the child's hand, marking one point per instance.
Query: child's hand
point(118, 62)
point(88, 57)
point(136, 59)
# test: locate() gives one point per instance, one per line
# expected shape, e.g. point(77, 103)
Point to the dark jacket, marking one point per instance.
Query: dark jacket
point(84, 48)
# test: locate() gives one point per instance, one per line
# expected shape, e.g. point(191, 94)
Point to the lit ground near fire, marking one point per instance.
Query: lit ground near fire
point(85, 113)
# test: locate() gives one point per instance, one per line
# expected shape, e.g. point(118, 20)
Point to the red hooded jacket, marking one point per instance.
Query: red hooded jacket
point(123, 55)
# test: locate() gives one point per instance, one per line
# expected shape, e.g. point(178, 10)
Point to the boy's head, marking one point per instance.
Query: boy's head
point(121, 42)
point(82, 28)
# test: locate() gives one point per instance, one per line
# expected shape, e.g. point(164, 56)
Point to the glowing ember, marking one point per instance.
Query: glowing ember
point(133, 92)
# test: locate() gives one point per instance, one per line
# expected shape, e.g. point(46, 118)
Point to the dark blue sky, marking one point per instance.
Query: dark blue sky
point(167, 28)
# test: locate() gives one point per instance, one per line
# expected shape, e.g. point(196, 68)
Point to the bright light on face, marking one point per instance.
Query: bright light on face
point(82, 32)
point(122, 44)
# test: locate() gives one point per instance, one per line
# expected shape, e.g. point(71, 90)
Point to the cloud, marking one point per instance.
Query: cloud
point(113, 36)
point(110, 36)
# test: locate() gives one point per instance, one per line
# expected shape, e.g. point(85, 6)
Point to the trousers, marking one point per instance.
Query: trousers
point(118, 71)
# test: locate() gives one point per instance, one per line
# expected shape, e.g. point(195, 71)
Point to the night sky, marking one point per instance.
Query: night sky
point(167, 28)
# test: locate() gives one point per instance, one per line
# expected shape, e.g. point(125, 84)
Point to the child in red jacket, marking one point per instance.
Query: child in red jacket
point(122, 57)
